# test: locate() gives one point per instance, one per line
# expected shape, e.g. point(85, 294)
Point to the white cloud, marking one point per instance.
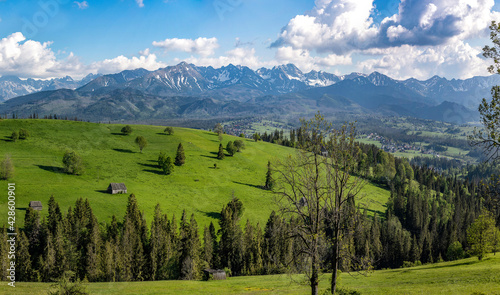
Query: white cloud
point(342, 26)
point(305, 62)
point(82, 5)
point(32, 59)
point(121, 63)
point(337, 26)
point(201, 46)
point(237, 56)
point(140, 3)
point(453, 60)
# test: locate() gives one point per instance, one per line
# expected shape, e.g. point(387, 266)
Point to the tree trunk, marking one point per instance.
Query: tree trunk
point(314, 273)
point(335, 259)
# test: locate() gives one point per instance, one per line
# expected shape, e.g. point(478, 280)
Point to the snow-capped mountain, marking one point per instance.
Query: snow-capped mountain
point(12, 86)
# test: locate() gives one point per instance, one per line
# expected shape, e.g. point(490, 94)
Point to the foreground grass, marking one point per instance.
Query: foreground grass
point(465, 276)
point(110, 156)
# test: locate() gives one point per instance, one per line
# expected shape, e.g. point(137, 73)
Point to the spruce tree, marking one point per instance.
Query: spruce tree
point(180, 158)
point(23, 259)
point(220, 154)
point(269, 177)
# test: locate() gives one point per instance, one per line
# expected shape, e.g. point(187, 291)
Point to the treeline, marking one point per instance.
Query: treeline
point(50, 117)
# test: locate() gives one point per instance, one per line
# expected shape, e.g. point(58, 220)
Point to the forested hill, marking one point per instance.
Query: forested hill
point(105, 237)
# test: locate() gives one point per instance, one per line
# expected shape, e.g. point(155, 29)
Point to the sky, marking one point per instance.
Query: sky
point(399, 38)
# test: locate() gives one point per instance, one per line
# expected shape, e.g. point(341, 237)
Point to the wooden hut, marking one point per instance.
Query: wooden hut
point(214, 274)
point(36, 205)
point(117, 188)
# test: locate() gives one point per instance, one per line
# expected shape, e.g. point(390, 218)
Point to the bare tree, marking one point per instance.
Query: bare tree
point(315, 185)
point(342, 157)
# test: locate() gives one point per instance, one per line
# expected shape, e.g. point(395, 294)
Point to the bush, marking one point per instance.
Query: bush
point(239, 144)
point(230, 148)
point(23, 134)
point(6, 168)
point(141, 142)
point(169, 130)
point(73, 163)
point(127, 130)
point(14, 136)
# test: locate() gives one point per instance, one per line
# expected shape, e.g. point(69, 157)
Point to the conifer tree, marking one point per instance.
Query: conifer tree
point(23, 259)
point(269, 177)
point(220, 154)
point(180, 158)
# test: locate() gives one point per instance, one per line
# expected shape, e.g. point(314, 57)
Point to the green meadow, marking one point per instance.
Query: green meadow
point(109, 156)
point(467, 276)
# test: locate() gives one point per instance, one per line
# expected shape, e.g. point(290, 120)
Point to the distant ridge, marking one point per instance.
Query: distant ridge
point(189, 91)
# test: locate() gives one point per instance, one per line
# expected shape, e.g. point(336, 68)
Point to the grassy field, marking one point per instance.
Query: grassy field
point(467, 276)
point(110, 156)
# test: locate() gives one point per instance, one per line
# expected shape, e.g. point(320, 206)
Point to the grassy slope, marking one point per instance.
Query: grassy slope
point(458, 277)
point(112, 157)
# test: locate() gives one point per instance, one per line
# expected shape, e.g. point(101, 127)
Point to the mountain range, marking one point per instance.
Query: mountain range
point(189, 91)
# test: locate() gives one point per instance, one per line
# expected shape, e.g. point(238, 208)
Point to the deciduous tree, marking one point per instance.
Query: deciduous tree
point(72, 163)
point(7, 168)
point(141, 142)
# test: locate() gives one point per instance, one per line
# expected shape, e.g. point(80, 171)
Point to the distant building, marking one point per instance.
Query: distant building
point(36, 205)
point(214, 274)
point(117, 188)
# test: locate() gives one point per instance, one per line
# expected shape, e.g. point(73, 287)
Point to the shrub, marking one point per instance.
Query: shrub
point(73, 163)
point(127, 130)
point(14, 136)
point(239, 144)
point(169, 130)
point(455, 251)
point(23, 134)
point(6, 168)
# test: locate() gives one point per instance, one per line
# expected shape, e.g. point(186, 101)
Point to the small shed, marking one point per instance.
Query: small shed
point(214, 274)
point(36, 205)
point(117, 188)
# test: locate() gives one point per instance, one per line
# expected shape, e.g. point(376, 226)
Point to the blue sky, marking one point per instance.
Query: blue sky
point(410, 38)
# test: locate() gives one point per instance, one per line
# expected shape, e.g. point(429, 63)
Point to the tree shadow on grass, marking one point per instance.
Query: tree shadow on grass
point(251, 185)
point(119, 134)
point(7, 139)
point(149, 165)
point(157, 172)
point(52, 169)
point(127, 151)
point(214, 215)
point(211, 157)
point(433, 266)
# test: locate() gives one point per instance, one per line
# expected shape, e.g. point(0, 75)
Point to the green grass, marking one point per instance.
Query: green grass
point(112, 157)
point(457, 277)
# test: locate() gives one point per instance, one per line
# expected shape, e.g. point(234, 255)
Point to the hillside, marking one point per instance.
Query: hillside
point(467, 276)
point(110, 156)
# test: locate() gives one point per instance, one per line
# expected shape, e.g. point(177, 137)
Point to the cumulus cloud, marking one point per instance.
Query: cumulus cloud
point(455, 59)
point(342, 26)
point(82, 5)
point(121, 63)
point(237, 56)
point(304, 61)
point(201, 46)
point(32, 59)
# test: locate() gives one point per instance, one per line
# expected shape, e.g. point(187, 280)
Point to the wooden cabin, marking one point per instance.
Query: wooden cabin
point(214, 274)
point(36, 205)
point(117, 188)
